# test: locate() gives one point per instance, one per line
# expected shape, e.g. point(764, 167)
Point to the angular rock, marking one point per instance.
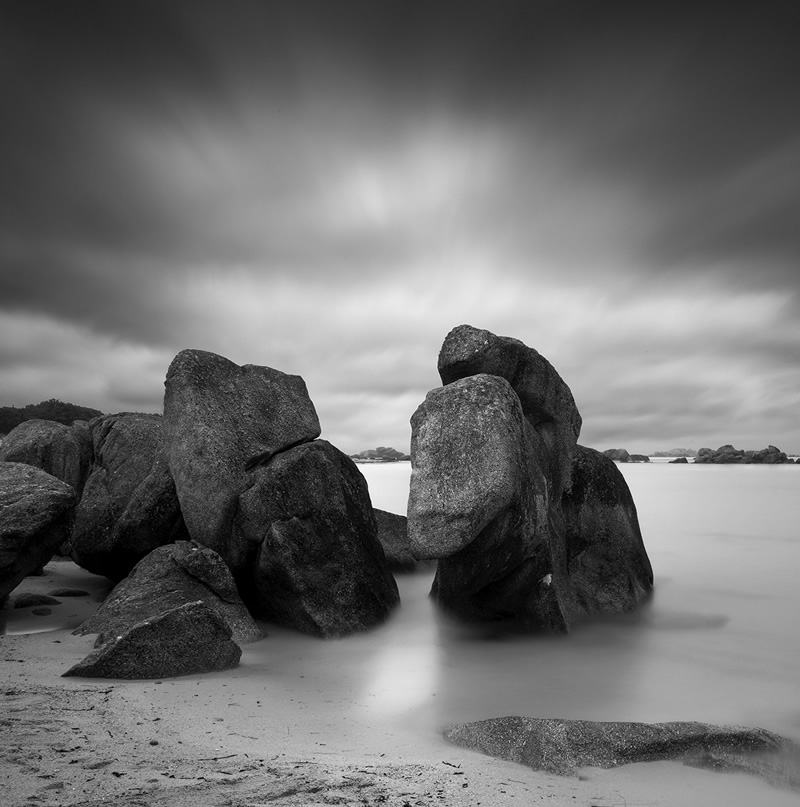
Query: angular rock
point(316, 564)
point(609, 571)
point(171, 576)
point(65, 452)
point(547, 401)
point(479, 502)
point(220, 422)
point(186, 640)
point(393, 535)
point(36, 512)
point(129, 504)
point(617, 454)
point(563, 746)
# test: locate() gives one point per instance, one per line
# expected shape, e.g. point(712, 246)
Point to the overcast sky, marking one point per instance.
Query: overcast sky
point(329, 187)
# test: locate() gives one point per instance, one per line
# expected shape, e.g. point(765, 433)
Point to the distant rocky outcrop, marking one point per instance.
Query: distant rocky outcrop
point(679, 461)
point(502, 495)
point(54, 410)
point(65, 452)
point(675, 452)
point(563, 746)
point(727, 454)
point(622, 455)
point(380, 454)
point(186, 640)
point(171, 576)
point(129, 505)
point(36, 512)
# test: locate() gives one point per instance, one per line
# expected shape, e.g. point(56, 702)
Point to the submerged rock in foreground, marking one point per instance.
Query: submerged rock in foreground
point(563, 746)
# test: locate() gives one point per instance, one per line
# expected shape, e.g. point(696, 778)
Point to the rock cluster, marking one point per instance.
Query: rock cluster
point(727, 454)
point(229, 500)
point(622, 455)
point(527, 526)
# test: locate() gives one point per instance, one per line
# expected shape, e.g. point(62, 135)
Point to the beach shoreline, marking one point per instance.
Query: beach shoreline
point(246, 737)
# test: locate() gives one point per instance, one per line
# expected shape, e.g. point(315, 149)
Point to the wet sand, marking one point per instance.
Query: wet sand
point(261, 735)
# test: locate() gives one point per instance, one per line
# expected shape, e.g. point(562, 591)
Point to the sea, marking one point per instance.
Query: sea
point(719, 641)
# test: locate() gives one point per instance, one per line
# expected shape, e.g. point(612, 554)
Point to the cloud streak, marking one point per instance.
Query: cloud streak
point(328, 189)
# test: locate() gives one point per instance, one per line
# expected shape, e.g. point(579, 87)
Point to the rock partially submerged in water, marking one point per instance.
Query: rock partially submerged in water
point(528, 526)
point(187, 640)
point(393, 535)
point(36, 512)
point(727, 455)
point(318, 565)
point(168, 578)
point(564, 746)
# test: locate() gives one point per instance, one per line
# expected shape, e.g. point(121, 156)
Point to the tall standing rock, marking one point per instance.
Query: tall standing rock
point(318, 565)
point(221, 421)
point(479, 502)
point(546, 400)
point(35, 518)
point(129, 505)
point(527, 526)
point(64, 452)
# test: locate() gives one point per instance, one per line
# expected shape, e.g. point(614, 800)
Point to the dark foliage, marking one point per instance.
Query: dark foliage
point(59, 411)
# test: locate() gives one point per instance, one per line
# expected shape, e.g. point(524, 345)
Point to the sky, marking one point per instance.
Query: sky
point(327, 188)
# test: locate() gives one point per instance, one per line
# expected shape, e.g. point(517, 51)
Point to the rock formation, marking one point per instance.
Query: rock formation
point(727, 454)
point(65, 452)
point(508, 502)
point(35, 518)
point(317, 563)
point(129, 505)
point(167, 578)
point(220, 421)
point(186, 640)
point(564, 746)
point(289, 514)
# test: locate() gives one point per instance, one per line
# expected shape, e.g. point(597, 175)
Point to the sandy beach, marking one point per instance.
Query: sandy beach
point(247, 737)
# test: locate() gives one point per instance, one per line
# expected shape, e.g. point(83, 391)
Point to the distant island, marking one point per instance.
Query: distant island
point(380, 454)
point(675, 452)
point(59, 411)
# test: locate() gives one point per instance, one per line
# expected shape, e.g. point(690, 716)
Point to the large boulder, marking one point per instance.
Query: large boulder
point(65, 452)
point(494, 463)
point(617, 454)
point(186, 640)
point(220, 422)
point(563, 746)
point(129, 504)
point(547, 402)
point(479, 502)
point(316, 564)
point(608, 567)
point(36, 512)
point(167, 578)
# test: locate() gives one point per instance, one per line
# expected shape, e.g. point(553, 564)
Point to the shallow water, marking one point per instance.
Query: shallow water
point(719, 641)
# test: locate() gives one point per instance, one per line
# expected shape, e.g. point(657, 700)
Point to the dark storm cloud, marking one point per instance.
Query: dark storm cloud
point(327, 188)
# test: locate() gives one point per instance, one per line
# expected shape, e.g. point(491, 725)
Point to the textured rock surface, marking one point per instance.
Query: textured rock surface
point(186, 640)
point(728, 455)
point(494, 463)
point(221, 421)
point(36, 511)
point(317, 564)
point(479, 502)
point(167, 578)
point(563, 746)
point(65, 452)
point(393, 535)
point(129, 505)
point(547, 401)
point(608, 567)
